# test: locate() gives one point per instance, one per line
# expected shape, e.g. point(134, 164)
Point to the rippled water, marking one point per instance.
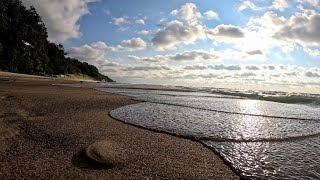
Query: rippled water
point(260, 139)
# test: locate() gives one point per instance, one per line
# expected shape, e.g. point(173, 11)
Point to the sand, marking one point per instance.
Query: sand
point(45, 132)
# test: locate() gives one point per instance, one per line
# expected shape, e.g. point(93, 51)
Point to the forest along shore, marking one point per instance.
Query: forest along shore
point(45, 129)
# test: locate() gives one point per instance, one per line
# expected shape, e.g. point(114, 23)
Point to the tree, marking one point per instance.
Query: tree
point(24, 46)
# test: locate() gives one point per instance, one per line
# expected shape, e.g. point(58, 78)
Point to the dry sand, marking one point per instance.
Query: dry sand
point(45, 130)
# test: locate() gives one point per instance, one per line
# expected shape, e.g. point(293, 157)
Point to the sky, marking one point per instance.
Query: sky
point(239, 44)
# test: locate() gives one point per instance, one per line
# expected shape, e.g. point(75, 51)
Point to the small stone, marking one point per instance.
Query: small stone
point(107, 152)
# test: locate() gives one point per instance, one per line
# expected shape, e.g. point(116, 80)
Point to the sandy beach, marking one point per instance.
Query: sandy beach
point(46, 129)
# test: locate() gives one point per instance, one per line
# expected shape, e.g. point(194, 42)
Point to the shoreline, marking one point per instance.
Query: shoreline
point(46, 128)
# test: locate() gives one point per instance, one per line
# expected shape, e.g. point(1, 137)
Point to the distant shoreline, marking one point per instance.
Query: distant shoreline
point(69, 77)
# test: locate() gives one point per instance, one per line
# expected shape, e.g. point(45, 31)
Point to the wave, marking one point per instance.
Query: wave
point(274, 139)
point(275, 96)
point(226, 127)
point(229, 112)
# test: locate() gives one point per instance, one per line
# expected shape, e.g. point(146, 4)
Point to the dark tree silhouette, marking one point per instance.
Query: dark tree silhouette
point(24, 45)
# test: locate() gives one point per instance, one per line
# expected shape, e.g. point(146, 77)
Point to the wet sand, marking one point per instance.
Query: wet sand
point(45, 130)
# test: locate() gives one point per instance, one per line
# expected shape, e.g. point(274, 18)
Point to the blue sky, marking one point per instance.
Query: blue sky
point(251, 44)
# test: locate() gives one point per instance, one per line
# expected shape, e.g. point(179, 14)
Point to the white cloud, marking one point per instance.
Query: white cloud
point(196, 67)
point(302, 29)
point(140, 21)
point(312, 52)
point(314, 3)
point(189, 13)
point(61, 17)
point(252, 67)
point(134, 44)
point(190, 29)
point(225, 31)
point(280, 5)
point(144, 32)
point(176, 33)
point(214, 67)
point(312, 74)
point(147, 68)
point(259, 36)
point(120, 21)
point(147, 59)
point(248, 4)
point(211, 15)
point(255, 52)
point(92, 53)
point(246, 74)
point(198, 55)
point(96, 54)
point(202, 55)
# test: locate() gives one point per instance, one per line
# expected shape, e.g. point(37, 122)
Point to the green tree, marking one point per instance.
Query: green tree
point(24, 46)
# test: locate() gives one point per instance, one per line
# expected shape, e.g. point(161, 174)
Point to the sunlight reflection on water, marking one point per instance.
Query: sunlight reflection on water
point(261, 140)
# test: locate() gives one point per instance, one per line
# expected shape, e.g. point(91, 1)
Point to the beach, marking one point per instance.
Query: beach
point(46, 128)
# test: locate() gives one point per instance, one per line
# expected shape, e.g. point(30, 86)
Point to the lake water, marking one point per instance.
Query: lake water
point(252, 131)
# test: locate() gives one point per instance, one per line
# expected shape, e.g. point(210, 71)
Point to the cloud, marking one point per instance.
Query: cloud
point(147, 68)
point(211, 15)
point(225, 32)
point(312, 74)
point(291, 74)
point(214, 67)
point(264, 29)
point(111, 64)
point(225, 67)
point(194, 56)
point(267, 76)
point(198, 55)
point(196, 67)
point(301, 29)
point(190, 29)
point(96, 54)
point(248, 4)
point(176, 33)
point(255, 52)
point(312, 52)
point(61, 17)
point(140, 21)
point(108, 70)
point(270, 67)
point(247, 74)
point(89, 53)
point(314, 3)
point(188, 12)
point(120, 21)
point(134, 44)
point(280, 5)
point(267, 69)
point(201, 55)
point(144, 32)
point(147, 59)
point(252, 67)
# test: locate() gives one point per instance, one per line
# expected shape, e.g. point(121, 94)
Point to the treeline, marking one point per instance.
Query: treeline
point(24, 45)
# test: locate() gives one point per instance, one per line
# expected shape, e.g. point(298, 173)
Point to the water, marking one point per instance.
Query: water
point(258, 136)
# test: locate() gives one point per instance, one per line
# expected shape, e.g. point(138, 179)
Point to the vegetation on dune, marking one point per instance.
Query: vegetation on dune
point(24, 45)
